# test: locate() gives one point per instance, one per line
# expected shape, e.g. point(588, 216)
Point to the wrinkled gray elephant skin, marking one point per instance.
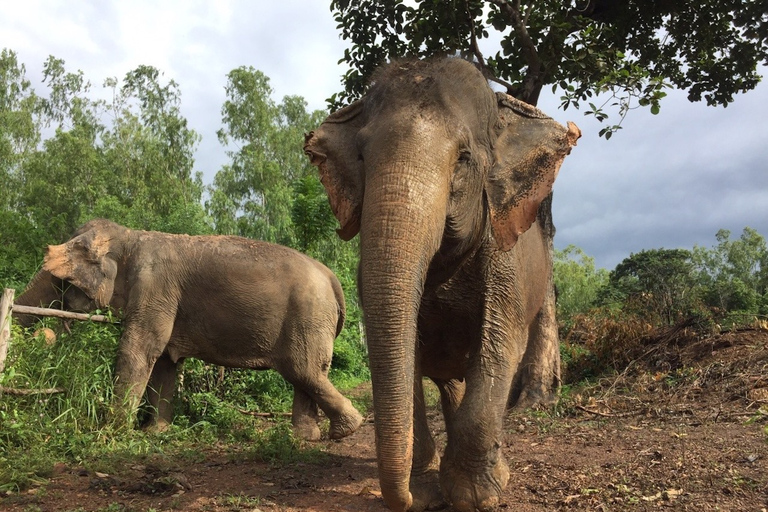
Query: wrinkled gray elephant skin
point(443, 179)
point(227, 300)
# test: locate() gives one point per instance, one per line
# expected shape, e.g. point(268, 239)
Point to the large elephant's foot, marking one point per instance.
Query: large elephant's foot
point(345, 424)
point(474, 487)
point(425, 488)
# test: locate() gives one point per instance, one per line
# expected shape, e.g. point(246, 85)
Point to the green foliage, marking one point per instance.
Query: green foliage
point(253, 195)
point(628, 52)
point(658, 293)
point(130, 160)
point(657, 284)
point(734, 273)
point(577, 282)
point(75, 425)
point(34, 427)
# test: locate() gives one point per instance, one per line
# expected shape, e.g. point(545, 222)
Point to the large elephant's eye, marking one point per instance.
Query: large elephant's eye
point(359, 157)
point(465, 156)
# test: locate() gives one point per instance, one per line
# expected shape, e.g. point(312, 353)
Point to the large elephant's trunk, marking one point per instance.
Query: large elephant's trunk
point(401, 228)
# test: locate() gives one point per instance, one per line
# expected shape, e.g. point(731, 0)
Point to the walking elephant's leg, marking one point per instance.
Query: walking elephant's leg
point(425, 480)
point(140, 347)
point(160, 390)
point(342, 414)
point(305, 415)
point(309, 374)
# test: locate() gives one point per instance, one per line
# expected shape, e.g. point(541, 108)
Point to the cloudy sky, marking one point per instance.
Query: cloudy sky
point(671, 180)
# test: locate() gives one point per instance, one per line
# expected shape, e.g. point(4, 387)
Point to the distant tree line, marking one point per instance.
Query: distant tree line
point(66, 157)
point(728, 282)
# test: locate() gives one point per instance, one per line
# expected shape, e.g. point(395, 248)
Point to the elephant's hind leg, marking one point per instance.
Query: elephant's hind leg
point(160, 390)
point(344, 418)
point(342, 414)
point(538, 379)
point(305, 416)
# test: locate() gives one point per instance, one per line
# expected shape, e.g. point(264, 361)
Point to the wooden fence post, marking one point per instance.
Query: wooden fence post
point(6, 305)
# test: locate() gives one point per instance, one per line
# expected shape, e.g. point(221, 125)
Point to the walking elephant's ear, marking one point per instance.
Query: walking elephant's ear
point(528, 152)
point(83, 261)
point(332, 149)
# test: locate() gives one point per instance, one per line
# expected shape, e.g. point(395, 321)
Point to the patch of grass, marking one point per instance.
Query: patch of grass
point(238, 501)
point(77, 426)
point(277, 443)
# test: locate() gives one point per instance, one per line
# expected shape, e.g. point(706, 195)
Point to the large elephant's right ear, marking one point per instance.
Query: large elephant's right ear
point(84, 262)
point(528, 151)
point(332, 149)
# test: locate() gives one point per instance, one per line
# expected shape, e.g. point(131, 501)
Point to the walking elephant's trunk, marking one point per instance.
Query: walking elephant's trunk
point(43, 291)
point(401, 229)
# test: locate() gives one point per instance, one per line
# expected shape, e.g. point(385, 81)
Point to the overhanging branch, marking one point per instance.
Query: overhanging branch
point(533, 77)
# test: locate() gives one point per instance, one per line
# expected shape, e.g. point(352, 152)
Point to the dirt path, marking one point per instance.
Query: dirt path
point(700, 447)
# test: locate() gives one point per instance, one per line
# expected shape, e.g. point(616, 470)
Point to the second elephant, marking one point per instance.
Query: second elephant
point(226, 300)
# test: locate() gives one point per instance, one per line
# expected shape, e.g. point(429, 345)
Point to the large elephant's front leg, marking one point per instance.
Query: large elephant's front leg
point(143, 341)
point(473, 471)
point(160, 390)
point(424, 482)
point(425, 479)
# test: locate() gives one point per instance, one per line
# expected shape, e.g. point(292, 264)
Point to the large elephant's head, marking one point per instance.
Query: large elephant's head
point(428, 164)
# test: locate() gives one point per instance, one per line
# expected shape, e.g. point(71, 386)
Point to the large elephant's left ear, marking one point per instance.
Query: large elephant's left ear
point(333, 150)
point(84, 262)
point(528, 152)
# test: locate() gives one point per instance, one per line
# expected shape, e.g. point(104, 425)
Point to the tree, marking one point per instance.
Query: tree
point(130, 160)
point(656, 284)
point(20, 251)
point(149, 150)
point(626, 49)
point(19, 132)
point(61, 181)
point(251, 196)
point(577, 282)
point(734, 273)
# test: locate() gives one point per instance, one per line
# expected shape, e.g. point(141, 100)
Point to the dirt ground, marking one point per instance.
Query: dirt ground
point(686, 430)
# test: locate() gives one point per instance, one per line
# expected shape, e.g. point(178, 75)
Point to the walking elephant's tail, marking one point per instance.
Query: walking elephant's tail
point(341, 304)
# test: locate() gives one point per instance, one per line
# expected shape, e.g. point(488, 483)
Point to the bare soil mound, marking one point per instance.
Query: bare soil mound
point(683, 428)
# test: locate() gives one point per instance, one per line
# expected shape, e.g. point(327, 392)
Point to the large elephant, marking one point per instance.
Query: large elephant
point(443, 178)
point(226, 300)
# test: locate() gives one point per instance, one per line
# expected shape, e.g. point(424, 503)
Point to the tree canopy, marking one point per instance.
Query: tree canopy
point(67, 156)
point(627, 51)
